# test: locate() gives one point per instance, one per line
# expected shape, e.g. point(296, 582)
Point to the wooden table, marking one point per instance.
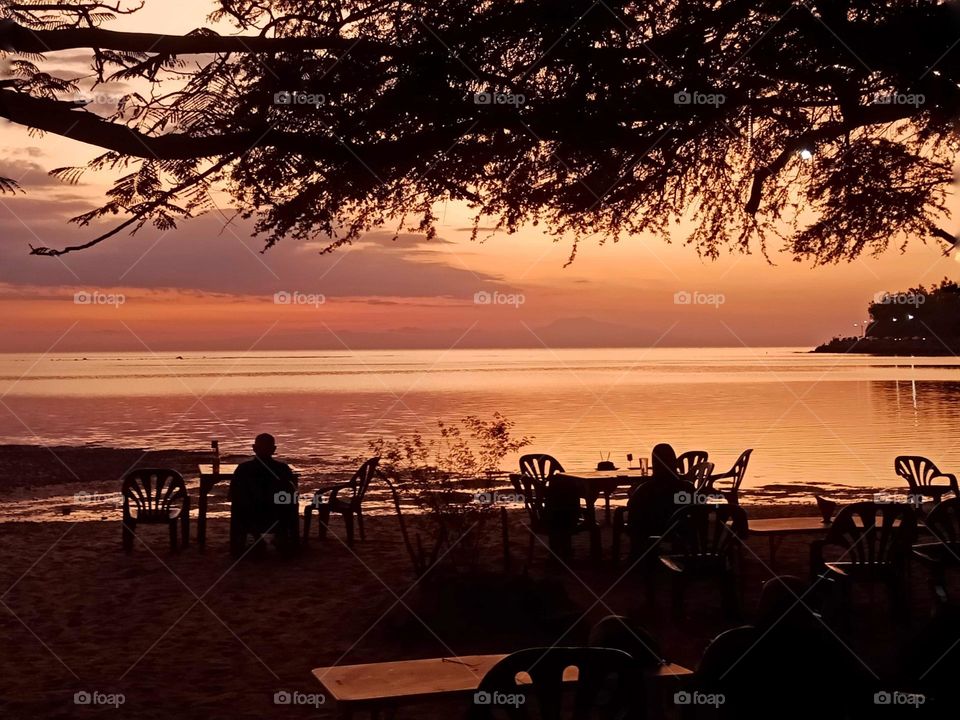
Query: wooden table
point(591, 484)
point(385, 686)
point(775, 529)
point(207, 480)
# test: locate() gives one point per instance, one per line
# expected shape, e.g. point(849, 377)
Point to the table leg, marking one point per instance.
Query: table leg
point(383, 711)
point(591, 510)
point(774, 542)
point(505, 537)
point(206, 485)
point(606, 502)
point(595, 550)
point(202, 515)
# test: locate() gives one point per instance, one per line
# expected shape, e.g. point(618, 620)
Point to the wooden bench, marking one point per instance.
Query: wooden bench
point(378, 687)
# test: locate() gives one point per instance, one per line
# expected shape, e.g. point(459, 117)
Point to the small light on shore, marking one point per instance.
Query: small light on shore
point(806, 154)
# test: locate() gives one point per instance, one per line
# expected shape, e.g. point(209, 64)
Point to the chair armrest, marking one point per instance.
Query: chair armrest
point(332, 489)
point(721, 476)
point(953, 482)
point(658, 544)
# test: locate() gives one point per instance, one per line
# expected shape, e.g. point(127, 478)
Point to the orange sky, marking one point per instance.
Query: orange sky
point(203, 287)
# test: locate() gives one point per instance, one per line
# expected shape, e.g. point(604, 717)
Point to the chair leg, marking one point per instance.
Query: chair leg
point(731, 598)
point(530, 548)
point(900, 599)
point(173, 535)
point(846, 604)
point(650, 583)
point(307, 517)
point(294, 526)
point(363, 535)
point(617, 531)
point(323, 521)
point(596, 549)
point(829, 599)
point(185, 529)
point(677, 595)
point(938, 583)
point(129, 532)
point(348, 521)
point(560, 544)
point(238, 538)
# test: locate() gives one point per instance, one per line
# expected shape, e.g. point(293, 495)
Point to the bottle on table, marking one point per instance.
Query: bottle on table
point(215, 444)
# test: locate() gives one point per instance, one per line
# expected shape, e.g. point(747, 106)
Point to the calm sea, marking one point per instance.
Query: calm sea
point(811, 418)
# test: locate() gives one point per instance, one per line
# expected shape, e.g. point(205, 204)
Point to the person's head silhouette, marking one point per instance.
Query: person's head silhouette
point(663, 461)
point(781, 603)
point(264, 446)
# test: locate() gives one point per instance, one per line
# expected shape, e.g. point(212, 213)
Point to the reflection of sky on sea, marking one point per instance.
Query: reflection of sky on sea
point(810, 418)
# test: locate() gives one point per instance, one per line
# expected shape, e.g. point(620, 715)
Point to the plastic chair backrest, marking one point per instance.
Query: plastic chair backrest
point(706, 531)
point(873, 533)
point(535, 472)
point(918, 471)
point(154, 492)
point(689, 460)
point(608, 683)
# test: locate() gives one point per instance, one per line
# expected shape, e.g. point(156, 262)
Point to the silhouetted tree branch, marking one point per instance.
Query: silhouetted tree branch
point(16, 38)
point(829, 125)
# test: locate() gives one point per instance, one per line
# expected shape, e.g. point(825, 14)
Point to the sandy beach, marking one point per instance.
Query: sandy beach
point(198, 634)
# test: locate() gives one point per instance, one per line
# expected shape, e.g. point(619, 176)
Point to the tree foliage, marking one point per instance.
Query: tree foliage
point(828, 125)
point(451, 478)
point(932, 313)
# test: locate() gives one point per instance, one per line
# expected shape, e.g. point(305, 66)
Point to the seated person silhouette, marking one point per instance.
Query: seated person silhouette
point(653, 502)
point(930, 664)
point(263, 498)
point(787, 665)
